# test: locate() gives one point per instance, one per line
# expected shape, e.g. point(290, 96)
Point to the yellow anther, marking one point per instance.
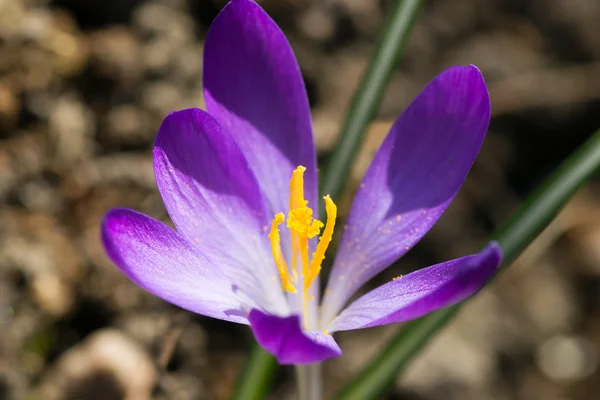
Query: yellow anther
point(324, 240)
point(286, 282)
point(296, 201)
point(297, 188)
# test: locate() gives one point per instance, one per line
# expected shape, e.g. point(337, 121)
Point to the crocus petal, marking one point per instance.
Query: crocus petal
point(253, 86)
point(413, 178)
point(283, 337)
point(159, 260)
point(421, 292)
point(215, 202)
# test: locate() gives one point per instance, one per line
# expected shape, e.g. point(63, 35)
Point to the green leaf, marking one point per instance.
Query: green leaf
point(367, 98)
point(541, 207)
point(257, 376)
point(258, 373)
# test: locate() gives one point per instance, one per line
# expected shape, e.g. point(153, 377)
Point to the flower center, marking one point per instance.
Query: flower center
point(302, 227)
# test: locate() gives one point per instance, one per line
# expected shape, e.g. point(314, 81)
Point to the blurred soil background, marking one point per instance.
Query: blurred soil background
point(84, 85)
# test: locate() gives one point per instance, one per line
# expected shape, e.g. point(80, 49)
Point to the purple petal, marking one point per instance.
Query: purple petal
point(215, 202)
point(156, 258)
point(283, 337)
point(253, 86)
point(421, 292)
point(413, 178)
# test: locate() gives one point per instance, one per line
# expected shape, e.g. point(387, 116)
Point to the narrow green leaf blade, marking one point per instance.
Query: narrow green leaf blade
point(541, 207)
point(257, 376)
point(367, 98)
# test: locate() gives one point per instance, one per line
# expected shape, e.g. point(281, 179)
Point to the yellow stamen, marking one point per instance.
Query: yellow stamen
point(297, 188)
point(324, 240)
point(276, 249)
point(295, 247)
point(296, 201)
point(300, 222)
point(304, 255)
point(302, 227)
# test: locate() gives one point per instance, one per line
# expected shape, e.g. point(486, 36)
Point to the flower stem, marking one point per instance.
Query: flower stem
point(309, 382)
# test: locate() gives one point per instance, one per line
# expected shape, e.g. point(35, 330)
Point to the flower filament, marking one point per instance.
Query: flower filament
point(302, 227)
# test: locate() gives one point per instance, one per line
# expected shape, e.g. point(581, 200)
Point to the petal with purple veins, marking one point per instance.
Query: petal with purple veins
point(284, 338)
point(158, 259)
point(421, 292)
point(215, 202)
point(254, 87)
point(413, 178)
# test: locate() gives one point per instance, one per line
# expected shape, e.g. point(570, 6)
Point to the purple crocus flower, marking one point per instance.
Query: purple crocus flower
point(239, 182)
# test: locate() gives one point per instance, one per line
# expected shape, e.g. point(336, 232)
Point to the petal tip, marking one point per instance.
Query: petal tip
point(493, 249)
point(470, 72)
point(472, 79)
point(112, 227)
point(477, 74)
point(467, 69)
point(184, 113)
point(181, 122)
point(474, 68)
point(113, 218)
point(239, 6)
